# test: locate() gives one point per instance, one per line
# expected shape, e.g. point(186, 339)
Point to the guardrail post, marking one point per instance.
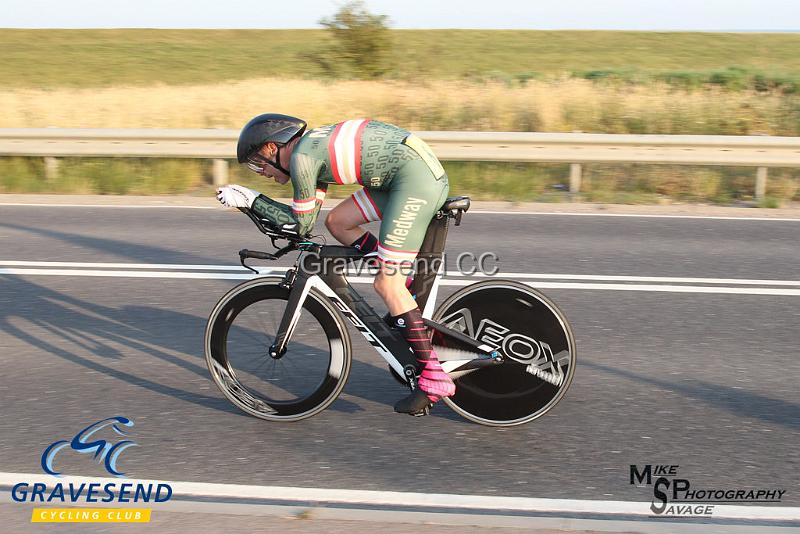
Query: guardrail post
point(575, 177)
point(50, 169)
point(761, 183)
point(220, 172)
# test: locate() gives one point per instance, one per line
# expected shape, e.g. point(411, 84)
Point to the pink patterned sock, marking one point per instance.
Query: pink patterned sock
point(434, 381)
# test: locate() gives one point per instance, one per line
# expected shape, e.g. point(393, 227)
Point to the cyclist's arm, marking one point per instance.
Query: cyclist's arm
point(306, 199)
point(273, 211)
point(308, 194)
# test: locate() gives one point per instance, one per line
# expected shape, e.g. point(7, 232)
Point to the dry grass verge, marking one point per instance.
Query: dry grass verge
point(558, 106)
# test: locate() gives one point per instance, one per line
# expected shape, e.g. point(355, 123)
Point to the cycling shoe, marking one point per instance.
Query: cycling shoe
point(416, 403)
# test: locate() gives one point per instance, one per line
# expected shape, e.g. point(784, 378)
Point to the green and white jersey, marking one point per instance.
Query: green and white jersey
point(360, 151)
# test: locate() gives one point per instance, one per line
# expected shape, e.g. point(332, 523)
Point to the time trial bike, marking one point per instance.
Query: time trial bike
point(278, 347)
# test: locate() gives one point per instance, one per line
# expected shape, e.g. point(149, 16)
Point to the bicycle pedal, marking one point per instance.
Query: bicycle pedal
point(423, 412)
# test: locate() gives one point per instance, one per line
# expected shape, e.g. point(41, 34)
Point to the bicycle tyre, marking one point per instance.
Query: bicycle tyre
point(251, 400)
point(516, 318)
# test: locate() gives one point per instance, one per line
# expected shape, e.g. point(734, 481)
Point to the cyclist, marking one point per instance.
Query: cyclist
point(403, 187)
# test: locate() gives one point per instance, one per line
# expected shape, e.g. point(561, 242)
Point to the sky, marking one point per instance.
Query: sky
point(721, 15)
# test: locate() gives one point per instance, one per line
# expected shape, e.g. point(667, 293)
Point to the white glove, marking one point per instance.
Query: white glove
point(236, 196)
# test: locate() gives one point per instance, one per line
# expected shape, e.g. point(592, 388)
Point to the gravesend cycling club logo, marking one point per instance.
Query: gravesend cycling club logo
point(104, 451)
point(677, 497)
point(104, 442)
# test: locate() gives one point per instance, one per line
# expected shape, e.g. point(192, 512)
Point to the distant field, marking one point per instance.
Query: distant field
point(591, 81)
point(91, 58)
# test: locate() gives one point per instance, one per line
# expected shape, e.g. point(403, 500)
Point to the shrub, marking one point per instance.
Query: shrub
point(732, 78)
point(364, 39)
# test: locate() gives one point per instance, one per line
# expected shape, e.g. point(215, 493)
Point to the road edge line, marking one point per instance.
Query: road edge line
point(284, 494)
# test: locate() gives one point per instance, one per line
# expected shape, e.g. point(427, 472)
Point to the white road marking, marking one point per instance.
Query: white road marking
point(126, 274)
point(474, 211)
point(409, 499)
point(642, 215)
point(98, 270)
point(512, 275)
point(601, 277)
point(367, 280)
point(649, 287)
point(128, 265)
point(123, 206)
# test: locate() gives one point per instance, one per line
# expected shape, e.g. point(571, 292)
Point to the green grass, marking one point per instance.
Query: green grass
point(92, 58)
point(516, 182)
point(104, 176)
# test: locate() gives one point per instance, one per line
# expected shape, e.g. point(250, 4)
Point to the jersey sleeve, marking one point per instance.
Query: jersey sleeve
point(306, 200)
point(273, 211)
point(308, 193)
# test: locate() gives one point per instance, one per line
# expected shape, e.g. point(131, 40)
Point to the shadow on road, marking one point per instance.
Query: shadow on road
point(135, 251)
point(736, 401)
point(90, 335)
point(97, 329)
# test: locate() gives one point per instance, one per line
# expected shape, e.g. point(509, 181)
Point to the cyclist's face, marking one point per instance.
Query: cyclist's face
point(265, 159)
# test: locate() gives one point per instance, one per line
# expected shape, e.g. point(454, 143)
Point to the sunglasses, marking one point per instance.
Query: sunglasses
point(259, 159)
point(258, 163)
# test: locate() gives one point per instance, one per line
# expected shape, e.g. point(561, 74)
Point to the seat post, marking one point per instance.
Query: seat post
point(429, 259)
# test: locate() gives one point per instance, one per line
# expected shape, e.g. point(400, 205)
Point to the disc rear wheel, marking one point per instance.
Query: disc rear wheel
point(536, 343)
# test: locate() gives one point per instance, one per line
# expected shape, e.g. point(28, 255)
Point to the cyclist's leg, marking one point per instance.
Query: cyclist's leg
point(415, 196)
point(345, 220)
point(407, 208)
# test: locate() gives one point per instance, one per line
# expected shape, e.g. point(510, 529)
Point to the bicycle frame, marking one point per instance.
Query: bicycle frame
point(317, 271)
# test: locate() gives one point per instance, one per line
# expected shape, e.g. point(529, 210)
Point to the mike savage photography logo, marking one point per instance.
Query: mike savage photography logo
point(676, 496)
point(103, 442)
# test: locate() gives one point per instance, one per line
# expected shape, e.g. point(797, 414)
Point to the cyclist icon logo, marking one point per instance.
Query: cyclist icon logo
point(104, 451)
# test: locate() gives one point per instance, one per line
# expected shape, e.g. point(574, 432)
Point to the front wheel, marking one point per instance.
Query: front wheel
point(300, 383)
point(536, 342)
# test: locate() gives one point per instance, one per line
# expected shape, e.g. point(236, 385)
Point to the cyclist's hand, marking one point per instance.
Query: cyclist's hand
point(236, 196)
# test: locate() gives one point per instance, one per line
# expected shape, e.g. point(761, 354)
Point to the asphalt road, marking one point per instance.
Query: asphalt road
point(705, 381)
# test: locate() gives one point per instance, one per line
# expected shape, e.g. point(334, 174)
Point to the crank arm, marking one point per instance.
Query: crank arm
point(455, 360)
point(466, 340)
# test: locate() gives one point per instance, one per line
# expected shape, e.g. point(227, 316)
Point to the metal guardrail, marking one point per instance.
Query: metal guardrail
point(574, 148)
point(138, 143)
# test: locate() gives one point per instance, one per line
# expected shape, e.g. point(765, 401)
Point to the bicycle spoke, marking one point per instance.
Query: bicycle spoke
point(263, 363)
point(264, 322)
point(257, 339)
point(260, 329)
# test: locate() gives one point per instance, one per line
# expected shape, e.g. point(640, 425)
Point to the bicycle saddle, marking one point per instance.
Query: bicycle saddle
point(456, 203)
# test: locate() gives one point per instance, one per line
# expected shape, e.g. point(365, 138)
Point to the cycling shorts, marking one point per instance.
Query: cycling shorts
point(405, 208)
